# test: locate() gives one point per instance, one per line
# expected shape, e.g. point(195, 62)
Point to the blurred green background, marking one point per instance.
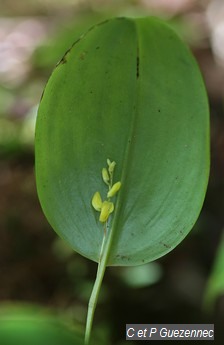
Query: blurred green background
point(41, 279)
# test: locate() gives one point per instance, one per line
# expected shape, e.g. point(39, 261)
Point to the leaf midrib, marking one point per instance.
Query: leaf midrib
point(129, 147)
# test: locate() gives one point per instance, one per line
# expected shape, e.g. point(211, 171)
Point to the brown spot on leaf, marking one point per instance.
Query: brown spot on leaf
point(137, 67)
point(165, 245)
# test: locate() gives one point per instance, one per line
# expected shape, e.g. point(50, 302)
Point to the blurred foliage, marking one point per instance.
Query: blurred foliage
point(17, 135)
point(30, 325)
point(47, 55)
point(215, 284)
point(141, 276)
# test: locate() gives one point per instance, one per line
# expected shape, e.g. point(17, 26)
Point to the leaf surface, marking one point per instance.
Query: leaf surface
point(128, 90)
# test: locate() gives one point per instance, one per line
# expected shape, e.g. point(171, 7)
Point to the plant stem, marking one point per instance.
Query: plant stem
point(96, 288)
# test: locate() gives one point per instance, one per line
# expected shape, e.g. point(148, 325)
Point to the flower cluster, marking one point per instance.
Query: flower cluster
point(106, 207)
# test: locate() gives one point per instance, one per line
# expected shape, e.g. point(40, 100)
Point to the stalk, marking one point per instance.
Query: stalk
point(97, 204)
point(97, 285)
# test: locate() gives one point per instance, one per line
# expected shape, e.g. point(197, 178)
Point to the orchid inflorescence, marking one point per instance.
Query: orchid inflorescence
point(106, 207)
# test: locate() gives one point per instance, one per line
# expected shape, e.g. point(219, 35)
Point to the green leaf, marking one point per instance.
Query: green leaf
point(128, 90)
point(215, 284)
point(31, 325)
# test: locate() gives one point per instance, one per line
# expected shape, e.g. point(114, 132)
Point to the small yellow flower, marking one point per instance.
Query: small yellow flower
point(111, 167)
point(115, 188)
point(106, 210)
point(106, 207)
point(105, 176)
point(97, 201)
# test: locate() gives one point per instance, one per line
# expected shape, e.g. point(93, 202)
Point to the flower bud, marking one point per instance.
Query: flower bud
point(115, 188)
point(111, 167)
point(106, 210)
point(97, 201)
point(105, 175)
